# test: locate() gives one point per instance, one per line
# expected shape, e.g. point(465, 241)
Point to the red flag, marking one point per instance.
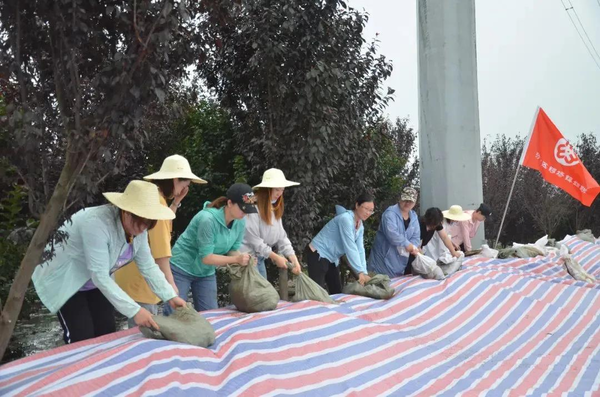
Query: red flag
point(552, 155)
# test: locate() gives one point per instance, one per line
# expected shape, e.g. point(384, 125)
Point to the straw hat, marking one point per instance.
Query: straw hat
point(274, 178)
point(142, 199)
point(175, 166)
point(456, 213)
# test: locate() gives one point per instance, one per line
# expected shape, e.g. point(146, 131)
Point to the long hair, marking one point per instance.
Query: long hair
point(218, 202)
point(263, 198)
point(167, 186)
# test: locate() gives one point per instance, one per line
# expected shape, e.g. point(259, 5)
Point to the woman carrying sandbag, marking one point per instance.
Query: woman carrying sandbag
point(213, 232)
point(76, 283)
point(343, 235)
point(264, 230)
point(432, 229)
point(173, 182)
point(398, 236)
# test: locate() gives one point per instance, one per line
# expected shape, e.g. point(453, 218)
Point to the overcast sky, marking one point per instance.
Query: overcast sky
point(529, 54)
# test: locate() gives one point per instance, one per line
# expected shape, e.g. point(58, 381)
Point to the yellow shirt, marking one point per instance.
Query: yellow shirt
point(129, 277)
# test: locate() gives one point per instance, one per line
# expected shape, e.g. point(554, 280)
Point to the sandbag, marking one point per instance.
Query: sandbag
point(507, 253)
point(306, 289)
point(427, 268)
point(488, 252)
point(574, 268)
point(249, 291)
point(449, 268)
point(184, 325)
point(528, 251)
point(378, 287)
point(586, 235)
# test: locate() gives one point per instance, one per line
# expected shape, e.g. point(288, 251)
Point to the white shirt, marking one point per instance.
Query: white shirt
point(260, 238)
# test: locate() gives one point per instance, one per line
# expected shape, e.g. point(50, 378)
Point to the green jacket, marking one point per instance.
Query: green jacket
point(206, 234)
point(95, 241)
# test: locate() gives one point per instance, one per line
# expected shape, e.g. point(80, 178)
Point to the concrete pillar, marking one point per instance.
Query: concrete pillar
point(449, 141)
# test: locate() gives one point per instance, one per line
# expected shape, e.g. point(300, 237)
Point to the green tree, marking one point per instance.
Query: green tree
point(80, 77)
point(304, 89)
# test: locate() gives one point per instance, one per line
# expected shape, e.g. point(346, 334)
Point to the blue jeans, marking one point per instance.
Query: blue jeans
point(204, 290)
point(260, 265)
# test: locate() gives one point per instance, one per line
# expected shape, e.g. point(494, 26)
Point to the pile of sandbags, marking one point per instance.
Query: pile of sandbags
point(378, 287)
point(525, 250)
point(184, 325)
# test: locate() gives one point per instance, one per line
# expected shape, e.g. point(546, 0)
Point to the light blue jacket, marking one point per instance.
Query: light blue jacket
point(384, 257)
point(206, 234)
point(96, 240)
point(339, 237)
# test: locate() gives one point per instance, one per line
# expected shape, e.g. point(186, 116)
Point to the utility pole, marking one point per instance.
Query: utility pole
point(449, 139)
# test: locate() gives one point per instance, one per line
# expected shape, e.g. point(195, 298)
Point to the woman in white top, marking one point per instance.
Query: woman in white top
point(264, 231)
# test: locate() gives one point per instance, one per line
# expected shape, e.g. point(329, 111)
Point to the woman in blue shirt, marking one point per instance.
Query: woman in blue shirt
point(398, 236)
point(343, 235)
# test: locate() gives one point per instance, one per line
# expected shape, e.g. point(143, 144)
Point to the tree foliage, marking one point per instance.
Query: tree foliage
point(304, 89)
point(78, 79)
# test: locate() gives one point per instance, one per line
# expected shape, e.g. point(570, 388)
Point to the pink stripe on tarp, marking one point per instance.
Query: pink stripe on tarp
point(511, 362)
point(236, 364)
point(544, 364)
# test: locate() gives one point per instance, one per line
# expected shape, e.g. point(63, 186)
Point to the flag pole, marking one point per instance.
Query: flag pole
point(525, 147)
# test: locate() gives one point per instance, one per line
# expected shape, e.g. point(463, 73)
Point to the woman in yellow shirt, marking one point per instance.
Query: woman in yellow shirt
point(173, 182)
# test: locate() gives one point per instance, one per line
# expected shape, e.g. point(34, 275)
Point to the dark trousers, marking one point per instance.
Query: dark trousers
point(323, 272)
point(86, 315)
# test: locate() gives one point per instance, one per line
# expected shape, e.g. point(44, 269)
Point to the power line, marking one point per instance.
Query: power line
point(584, 31)
point(579, 33)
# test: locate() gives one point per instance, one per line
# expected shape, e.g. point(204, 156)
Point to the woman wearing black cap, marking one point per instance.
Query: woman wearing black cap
point(212, 233)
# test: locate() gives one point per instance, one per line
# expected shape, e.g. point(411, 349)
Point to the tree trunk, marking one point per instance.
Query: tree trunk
point(48, 223)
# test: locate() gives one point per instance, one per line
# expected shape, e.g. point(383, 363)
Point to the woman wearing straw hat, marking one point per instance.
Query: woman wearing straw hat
point(264, 230)
point(398, 236)
point(343, 235)
point(76, 283)
point(463, 225)
point(213, 233)
point(173, 182)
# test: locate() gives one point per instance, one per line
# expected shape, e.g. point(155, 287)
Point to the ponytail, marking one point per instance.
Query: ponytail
point(218, 203)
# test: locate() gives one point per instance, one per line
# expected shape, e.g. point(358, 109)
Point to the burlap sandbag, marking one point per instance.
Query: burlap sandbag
point(249, 291)
point(306, 289)
point(523, 251)
point(586, 235)
point(184, 325)
point(378, 287)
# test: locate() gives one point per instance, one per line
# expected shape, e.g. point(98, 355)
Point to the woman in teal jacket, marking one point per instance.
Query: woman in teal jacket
point(76, 283)
point(212, 233)
point(343, 235)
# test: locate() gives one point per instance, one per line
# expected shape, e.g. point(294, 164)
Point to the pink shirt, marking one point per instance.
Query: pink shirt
point(462, 232)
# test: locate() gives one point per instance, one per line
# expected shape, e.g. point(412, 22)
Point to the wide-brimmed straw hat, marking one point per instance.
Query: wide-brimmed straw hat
point(456, 213)
point(175, 166)
point(274, 178)
point(142, 199)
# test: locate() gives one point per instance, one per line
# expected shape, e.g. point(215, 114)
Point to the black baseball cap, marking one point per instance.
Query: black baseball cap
point(485, 210)
point(243, 196)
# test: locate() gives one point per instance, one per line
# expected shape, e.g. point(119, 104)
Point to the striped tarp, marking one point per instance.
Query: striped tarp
point(497, 327)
